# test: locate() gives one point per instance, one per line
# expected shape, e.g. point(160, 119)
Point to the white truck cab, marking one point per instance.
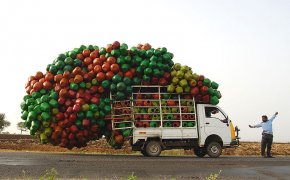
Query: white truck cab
point(213, 122)
point(210, 130)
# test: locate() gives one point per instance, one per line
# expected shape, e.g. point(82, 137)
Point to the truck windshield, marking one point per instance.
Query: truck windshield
point(213, 112)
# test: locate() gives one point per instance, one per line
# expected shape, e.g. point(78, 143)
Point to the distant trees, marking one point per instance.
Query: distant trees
point(3, 122)
point(21, 127)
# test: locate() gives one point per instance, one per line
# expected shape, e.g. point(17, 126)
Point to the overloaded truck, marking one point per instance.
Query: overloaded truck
point(120, 93)
point(162, 121)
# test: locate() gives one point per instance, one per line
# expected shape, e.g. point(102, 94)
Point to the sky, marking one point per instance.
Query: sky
point(242, 45)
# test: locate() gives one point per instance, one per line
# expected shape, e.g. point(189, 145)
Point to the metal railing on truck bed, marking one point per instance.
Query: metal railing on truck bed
point(153, 107)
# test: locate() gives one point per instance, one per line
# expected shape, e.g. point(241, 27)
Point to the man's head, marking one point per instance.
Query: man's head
point(264, 118)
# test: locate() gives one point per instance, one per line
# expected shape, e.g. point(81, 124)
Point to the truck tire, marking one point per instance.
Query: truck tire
point(153, 149)
point(214, 149)
point(199, 152)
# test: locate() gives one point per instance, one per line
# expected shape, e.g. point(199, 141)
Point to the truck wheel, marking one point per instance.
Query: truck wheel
point(214, 149)
point(153, 149)
point(199, 152)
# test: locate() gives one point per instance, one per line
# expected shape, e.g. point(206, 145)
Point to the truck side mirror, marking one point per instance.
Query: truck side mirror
point(227, 120)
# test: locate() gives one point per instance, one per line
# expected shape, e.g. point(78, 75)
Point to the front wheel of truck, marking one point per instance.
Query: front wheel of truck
point(153, 149)
point(214, 149)
point(199, 152)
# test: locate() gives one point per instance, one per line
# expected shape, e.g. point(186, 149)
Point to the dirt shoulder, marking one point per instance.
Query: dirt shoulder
point(29, 143)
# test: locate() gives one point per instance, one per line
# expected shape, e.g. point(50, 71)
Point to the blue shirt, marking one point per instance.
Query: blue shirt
point(266, 126)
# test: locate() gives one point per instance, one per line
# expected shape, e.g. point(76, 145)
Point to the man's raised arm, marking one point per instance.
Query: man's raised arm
point(273, 117)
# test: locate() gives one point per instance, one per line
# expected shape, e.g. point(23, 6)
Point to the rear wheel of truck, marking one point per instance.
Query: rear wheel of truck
point(214, 149)
point(199, 152)
point(153, 149)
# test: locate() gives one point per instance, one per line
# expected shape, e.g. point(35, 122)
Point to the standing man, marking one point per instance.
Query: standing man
point(267, 134)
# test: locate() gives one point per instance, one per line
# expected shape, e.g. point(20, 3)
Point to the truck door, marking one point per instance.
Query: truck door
point(216, 122)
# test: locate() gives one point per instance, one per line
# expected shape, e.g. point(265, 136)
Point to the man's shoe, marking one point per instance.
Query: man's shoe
point(270, 156)
point(263, 156)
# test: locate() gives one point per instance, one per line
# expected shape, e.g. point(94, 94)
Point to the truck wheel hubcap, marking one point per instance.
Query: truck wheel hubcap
point(154, 148)
point(214, 149)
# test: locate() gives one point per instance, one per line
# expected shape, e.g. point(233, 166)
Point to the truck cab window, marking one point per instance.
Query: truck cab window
point(213, 112)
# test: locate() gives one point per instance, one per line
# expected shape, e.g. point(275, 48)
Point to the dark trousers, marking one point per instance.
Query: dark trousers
point(267, 140)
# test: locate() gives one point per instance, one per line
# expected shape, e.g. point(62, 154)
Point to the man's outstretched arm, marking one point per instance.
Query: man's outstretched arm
point(256, 126)
point(273, 117)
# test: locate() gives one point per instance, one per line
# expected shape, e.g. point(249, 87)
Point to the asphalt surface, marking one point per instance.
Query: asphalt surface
point(90, 166)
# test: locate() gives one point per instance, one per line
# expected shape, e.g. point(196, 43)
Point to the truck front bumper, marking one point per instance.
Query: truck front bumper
point(235, 143)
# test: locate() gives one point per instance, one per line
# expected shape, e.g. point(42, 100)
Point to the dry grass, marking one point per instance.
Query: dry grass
point(102, 147)
point(253, 148)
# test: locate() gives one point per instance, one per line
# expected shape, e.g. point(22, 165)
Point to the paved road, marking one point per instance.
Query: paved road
point(33, 165)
